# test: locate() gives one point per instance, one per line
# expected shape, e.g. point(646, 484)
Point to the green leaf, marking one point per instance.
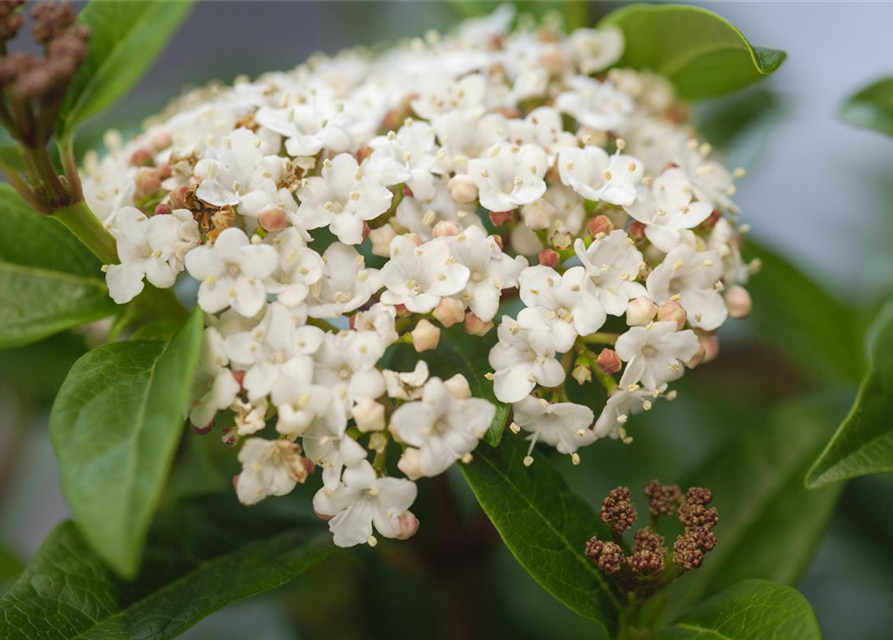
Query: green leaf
point(49, 282)
point(458, 352)
point(198, 560)
point(125, 38)
point(864, 442)
point(769, 524)
point(10, 565)
point(871, 107)
point(702, 54)
point(115, 426)
point(544, 524)
point(751, 610)
point(816, 332)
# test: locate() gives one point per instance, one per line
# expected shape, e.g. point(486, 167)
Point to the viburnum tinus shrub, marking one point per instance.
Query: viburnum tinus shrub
point(392, 256)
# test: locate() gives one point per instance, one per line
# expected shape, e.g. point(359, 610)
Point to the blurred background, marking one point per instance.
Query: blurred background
point(818, 192)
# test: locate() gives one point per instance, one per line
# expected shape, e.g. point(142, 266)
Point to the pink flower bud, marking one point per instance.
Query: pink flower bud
point(499, 218)
point(552, 60)
point(410, 464)
point(462, 189)
point(402, 311)
point(417, 241)
point(446, 229)
point(640, 311)
point(509, 112)
point(147, 181)
point(178, 197)
point(696, 359)
point(425, 336)
point(381, 240)
point(498, 240)
point(239, 376)
point(549, 258)
point(369, 415)
point(672, 311)
point(538, 215)
point(407, 191)
point(600, 224)
point(450, 311)
point(738, 301)
point(272, 218)
point(363, 153)
point(164, 171)
point(142, 158)
point(608, 361)
point(366, 231)
point(458, 387)
point(162, 209)
point(159, 138)
point(309, 466)
point(475, 326)
point(711, 347)
point(636, 231)
point(409, 524)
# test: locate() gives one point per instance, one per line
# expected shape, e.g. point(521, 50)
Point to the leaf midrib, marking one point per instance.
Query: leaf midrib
point(50, 274)
point(694, 627)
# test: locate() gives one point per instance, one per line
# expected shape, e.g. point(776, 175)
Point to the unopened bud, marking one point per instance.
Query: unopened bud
point(162, 209)
point(462, 189)
point(538, 215)
point(369, 415)
point(458, 387)
point(600, 224)
point(636, 231)
point(408, 524)
point(363, 153)
point(449, 311)
point(672, 311)
point(499, 218)
point(425, 336)
point(381, 240)
point(229, 437)
point(640, 311)
point(415, 238)
point(159, 138)
point(475, 326)
point(738, 301)
point(445, 229)
point(696, 359)
point(608, 361)
point(561, 240)
point(498, 240)
point(142, 158)
point(178, 197)
point(410, 464)
point(147, 181)
point(366, 231)
point(164, 170)
point(272, 218)
point(711, 347)
point(549, 258)
point(582, 374)
point(378, 442)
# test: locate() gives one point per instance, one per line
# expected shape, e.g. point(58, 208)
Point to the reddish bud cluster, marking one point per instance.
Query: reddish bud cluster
point(618, 511)
point(662, 499)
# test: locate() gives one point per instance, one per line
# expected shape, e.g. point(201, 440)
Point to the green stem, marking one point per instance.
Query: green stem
point(601, 338)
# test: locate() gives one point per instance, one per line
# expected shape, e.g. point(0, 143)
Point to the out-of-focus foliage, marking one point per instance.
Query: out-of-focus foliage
point(871, 107)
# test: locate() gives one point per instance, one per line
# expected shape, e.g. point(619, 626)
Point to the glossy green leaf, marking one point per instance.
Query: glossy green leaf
point(115, 426)
point(125, 38)
point(769, 524)
point(544, 524)
point(864, 442)
point(824, 345)
point(198, 559)
point(702, 54)
point(750, 610)
point(49, 282)
point(871, 107)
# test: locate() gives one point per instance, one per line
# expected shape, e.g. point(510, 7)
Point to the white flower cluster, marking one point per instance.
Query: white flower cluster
point(486, 165)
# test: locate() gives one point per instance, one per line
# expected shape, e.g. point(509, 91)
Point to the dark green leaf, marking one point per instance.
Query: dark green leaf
point(702, 54)
point(115, 426)
point(125, 38)
point(751, 610)
point(864, 442)
point(49, 282)
point(817, 332)
point(544, 524)
point(871, 107)
point(10, 565)
point(198, 559)
point(769, 524)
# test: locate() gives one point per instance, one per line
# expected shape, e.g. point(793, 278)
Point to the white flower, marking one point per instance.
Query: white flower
point(345, 363)
point(612, 264)
point(406, 385)
point(328, 445)
point(232, 273)
point(380, 318)
point(342, 199)
point(724, 242)
point(595, 175)
point(562, 306)
point(490, 270)
point(420, 217)
point(300, 267)
point(441, 427)
point(624, 402)
point(150, 248)
point(655, 354)
point(442, 95)
point(667, 208)
point(466, 135)
point(406, 157)
point(298, 404)
point(595, 49)
point(543, 127)
point(509, 176)
point(521, 361)
point(690, 277)
point(241, 163)
point(711, 181)
point(214, 381)
point(274, 348)
point(361, 501)
point(595, 104)
point(564, 425)
point(346, 283)
point(419, 277)
point(269, 468)
point(307, 128)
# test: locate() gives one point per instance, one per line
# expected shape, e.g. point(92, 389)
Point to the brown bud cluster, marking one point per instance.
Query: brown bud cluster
point(618, 511)
point(699, 520)
point(662, 499)
point(608, 556)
